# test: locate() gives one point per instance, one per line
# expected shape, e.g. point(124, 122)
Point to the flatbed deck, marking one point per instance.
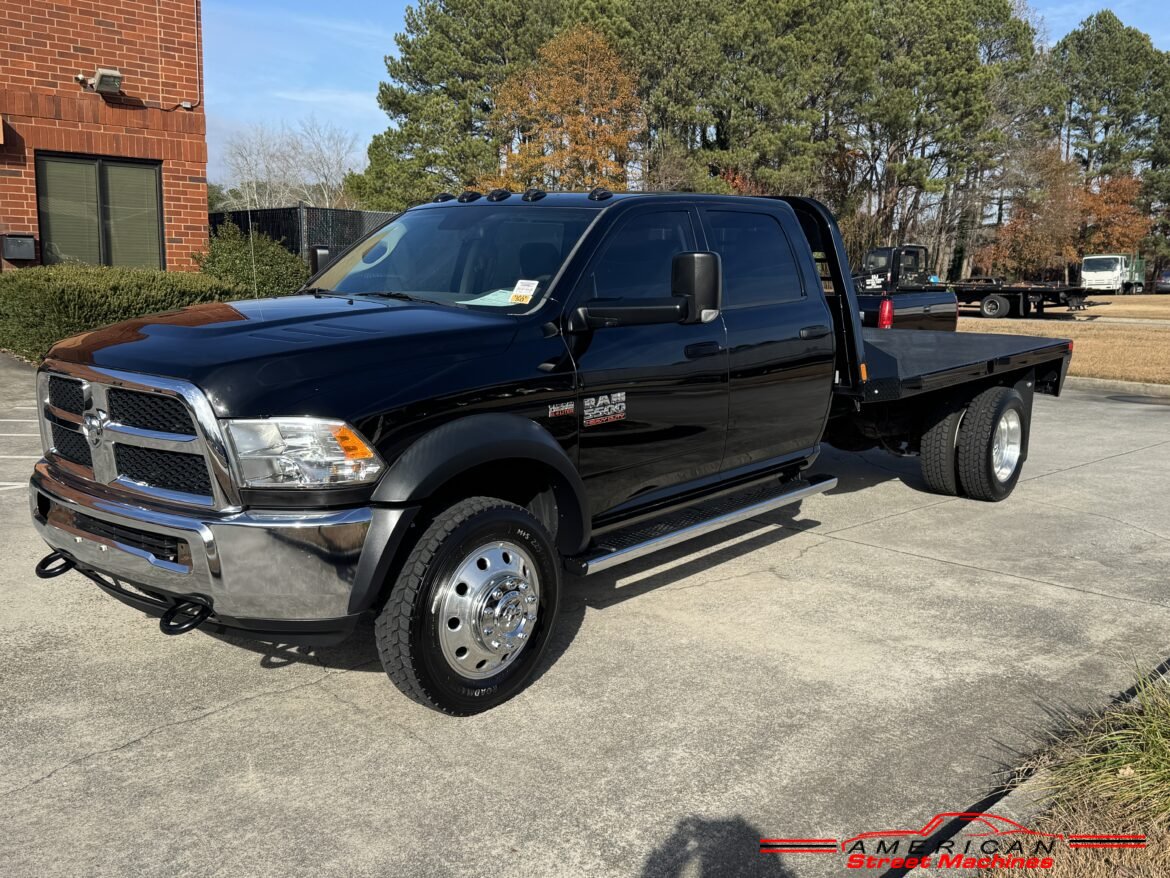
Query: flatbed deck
point(902, 363)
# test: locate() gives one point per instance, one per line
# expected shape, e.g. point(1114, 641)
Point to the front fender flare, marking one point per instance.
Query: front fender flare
point(437, 457)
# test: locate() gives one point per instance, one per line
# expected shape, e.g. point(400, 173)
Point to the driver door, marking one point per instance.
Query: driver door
point(652, 400)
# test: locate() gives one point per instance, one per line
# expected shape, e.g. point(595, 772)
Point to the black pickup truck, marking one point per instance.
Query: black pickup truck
point(485, 392)
point(895, 290)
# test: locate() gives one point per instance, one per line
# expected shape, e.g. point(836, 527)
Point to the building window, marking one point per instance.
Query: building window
point(100, 211)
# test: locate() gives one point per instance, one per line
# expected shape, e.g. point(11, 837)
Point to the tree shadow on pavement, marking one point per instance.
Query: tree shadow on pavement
point(713, 849)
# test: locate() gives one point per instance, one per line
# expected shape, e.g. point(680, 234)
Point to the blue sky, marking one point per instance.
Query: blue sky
point(280, 62)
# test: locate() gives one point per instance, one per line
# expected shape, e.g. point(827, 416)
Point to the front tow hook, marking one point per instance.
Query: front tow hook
point(194, 611)
point(54, 564)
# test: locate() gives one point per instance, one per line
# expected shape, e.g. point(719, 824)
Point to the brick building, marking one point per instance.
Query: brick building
point(105, 168)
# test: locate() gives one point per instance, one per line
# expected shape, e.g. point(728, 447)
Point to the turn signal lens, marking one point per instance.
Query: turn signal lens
point(351, 444)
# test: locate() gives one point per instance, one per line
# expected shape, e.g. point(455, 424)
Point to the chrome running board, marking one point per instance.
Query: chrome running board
point(632, 542)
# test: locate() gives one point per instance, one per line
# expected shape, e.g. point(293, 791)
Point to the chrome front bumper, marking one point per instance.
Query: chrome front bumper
point(278, 566)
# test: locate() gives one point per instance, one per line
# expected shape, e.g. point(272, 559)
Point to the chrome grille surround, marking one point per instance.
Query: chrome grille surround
point(95, 425)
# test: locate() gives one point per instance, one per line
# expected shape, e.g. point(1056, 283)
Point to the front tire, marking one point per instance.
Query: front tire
point(470, 615)
point(992, 439)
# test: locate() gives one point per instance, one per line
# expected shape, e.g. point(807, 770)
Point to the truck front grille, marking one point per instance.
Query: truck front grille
point(71, 446)
point(148, 411)
point(66, 394)
point(169, 470)
point(135, 434)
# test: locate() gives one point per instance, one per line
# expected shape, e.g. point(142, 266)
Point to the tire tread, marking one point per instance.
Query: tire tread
point(392, 628)
point(938, 453)
point(977, 426)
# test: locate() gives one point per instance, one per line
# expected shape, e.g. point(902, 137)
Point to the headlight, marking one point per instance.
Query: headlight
point(301, 453)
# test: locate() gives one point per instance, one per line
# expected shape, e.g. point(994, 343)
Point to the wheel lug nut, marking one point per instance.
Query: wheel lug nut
point(531, 599)
point(495, 644)
point(520, 635)
point(523, 586)
point(497, 594)
point(487, 631)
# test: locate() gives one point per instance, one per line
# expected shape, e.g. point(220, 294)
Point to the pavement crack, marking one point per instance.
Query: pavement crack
point(1120, 521)
point(325, 675)
point(1021, 577)
point(1066, 469)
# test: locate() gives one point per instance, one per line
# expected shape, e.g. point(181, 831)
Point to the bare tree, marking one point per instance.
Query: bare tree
point(284, 166)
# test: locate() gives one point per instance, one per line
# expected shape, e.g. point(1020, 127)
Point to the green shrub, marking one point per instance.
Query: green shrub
point(229, 258)
point(39, 306)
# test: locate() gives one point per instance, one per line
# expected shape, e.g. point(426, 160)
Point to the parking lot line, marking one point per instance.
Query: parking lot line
point(18, 420)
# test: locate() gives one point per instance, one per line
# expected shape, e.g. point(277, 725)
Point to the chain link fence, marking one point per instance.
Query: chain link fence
point(299, 228)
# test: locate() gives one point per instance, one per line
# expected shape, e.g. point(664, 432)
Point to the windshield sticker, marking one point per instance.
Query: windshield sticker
point(495, 298)
point(559, 409)
point(526, 288)
point(604, 409)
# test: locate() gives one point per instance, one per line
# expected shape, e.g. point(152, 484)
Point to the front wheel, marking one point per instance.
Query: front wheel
point(471, 613)
point(992, 439)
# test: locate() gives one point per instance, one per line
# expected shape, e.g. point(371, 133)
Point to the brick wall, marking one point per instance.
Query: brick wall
point(158, 49)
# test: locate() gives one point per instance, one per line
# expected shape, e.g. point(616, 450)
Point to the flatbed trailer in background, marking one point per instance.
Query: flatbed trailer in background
point(999, 299)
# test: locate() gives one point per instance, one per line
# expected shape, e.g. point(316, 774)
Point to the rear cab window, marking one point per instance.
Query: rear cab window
point(759, 264)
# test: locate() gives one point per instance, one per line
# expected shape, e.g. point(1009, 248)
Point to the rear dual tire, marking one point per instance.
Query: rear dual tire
point(977, 451)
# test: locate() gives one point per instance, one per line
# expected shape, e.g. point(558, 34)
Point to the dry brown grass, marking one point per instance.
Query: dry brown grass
point(1110, 773)
point(1124, 352)
point(1131, 307)
point(1094, 815)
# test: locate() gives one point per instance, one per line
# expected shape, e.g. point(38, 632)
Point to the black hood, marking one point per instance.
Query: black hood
point(295, 355)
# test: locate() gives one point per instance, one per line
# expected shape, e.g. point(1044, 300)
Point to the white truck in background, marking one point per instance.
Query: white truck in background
point(1117, 274)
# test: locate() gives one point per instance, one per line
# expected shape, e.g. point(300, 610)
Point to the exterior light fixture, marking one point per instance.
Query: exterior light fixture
point(107, 81)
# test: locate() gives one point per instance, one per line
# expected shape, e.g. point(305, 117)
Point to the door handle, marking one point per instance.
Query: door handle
point(818, 331)
point(702, 349)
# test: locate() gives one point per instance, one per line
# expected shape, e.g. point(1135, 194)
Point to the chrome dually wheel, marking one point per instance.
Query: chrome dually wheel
point(1007, 445)
point(471, 611)
point(488, 609)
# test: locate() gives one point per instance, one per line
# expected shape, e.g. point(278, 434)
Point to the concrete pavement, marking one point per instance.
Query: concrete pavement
point(875, 660)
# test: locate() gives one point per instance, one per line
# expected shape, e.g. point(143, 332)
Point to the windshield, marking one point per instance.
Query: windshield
point(1101, 263)
point(877, 260)
point(479, 256)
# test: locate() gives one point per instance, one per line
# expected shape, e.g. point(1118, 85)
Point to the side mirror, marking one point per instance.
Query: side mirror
point(319, 258)
point(698, 277)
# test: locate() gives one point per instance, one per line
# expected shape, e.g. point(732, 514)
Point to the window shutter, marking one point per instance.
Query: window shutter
point(132, 211)
point(68, 207)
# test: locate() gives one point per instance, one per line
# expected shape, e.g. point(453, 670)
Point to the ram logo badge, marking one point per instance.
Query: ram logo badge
point(604, 409)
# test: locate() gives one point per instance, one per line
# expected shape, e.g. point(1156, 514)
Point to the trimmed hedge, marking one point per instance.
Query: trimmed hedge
point(229, 257)
point(40, 306)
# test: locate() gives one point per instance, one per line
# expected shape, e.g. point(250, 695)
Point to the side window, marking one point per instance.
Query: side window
point(634, 261)
point(759, 267)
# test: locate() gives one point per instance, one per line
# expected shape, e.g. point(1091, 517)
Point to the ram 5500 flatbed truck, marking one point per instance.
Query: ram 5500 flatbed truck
point(483, 393)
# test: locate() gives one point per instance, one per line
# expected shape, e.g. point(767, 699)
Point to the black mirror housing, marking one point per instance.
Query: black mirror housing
point(319, 258)
point(698, 276)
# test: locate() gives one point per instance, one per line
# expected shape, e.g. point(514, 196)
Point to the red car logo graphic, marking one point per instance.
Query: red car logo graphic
point(988, 824)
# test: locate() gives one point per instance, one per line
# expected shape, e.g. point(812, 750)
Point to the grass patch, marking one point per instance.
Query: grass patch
point(1134, 352)
point(1112, 775)
point(1130, 307)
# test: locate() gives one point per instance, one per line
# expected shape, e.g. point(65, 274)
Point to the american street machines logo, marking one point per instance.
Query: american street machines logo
point(983, 841)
